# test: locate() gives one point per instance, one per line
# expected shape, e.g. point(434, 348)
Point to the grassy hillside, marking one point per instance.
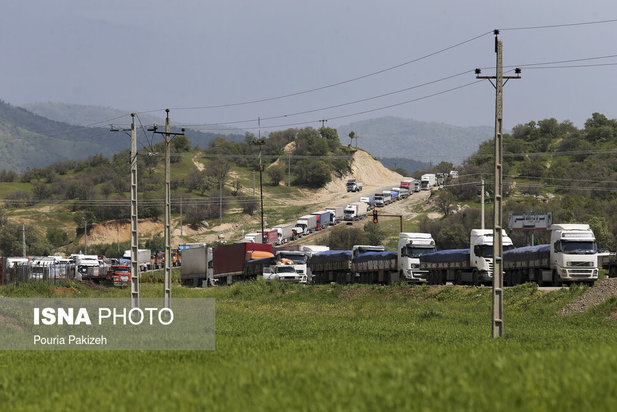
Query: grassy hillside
point(56, 201)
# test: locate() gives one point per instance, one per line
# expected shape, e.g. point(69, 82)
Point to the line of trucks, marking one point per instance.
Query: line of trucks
point(330, 216)
point(570, 257)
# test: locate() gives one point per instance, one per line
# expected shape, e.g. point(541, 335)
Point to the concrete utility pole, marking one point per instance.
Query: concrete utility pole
point(482, 209)
point(181, 199)
point(261, 142)
point(23, 238)
point(498, 320)
point(167, 281)
point(134, 233)
point(168, 136)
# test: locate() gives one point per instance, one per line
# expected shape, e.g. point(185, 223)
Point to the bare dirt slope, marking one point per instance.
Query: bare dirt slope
point(364, 168)
point(594, 296)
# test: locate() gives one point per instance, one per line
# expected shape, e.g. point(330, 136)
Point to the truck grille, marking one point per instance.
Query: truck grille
point(580, 272)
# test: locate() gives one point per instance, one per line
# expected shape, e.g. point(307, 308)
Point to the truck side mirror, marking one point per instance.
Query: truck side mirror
point(557, 247)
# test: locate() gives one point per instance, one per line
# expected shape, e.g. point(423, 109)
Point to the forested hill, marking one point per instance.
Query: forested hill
point(548, 167)
point(28, 140)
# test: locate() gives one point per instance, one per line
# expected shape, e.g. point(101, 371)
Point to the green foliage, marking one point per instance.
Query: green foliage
point(343, 238)
point(11, 241)
point(57, 237)
point(157, 243)
point(249, 204)
point(313, 173)
point(374, 234)
point(576, 185)
point(275, 173)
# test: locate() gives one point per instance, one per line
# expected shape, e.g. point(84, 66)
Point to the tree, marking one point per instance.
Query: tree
point(276, 174)
point(352, 135)
point(452, 237)
point(312, 173)
point(57, 237)
point(344, 238)
point(331, 136)
point(195, 215)
point(157, 243)
point(249, 204)
point(194, 180)
point(374, 235)
point(444, 200)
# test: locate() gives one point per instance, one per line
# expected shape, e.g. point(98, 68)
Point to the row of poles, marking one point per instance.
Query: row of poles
point(497, 293)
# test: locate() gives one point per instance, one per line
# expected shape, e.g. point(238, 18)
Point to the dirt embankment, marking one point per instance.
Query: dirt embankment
point(364, 168)
point(594, 296)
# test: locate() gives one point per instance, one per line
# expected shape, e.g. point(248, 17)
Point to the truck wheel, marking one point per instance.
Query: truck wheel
point(557, 279)
point(539, 279)
point(475, 278)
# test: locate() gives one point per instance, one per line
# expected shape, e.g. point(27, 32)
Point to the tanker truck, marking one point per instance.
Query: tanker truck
point(571, 256)
point(472, 266)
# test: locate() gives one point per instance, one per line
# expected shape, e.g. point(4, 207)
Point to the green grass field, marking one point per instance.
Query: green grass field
point(289, 347)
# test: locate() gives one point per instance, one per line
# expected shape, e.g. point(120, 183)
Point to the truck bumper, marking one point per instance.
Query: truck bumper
point(578, 274)
point(415, 276)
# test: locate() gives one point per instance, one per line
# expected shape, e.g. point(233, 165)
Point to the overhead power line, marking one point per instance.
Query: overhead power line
point(315, 89)
point(353, 79)
point(554, 26)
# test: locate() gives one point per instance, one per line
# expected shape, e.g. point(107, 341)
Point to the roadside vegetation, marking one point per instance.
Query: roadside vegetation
point(548, 167)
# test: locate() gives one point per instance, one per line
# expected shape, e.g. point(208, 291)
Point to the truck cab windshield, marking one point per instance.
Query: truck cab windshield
point(285, 269)
point(298, 260)
point(486, 251)
point(576, 248)
point(416, 251)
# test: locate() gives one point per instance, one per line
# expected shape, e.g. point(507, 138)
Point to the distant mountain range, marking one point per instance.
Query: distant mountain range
point(85, 115)
point(428, 142)
point(29, 140)
point(43, 133)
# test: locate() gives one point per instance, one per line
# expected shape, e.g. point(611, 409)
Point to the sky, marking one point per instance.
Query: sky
point(300, 62)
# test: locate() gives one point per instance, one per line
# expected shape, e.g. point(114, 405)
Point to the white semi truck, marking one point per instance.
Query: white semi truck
point(297, 259)
point(143, 258)
point(285, 234)
point(354, 186)
point(410, 247)
point(306, 224)
point(355, 211)
point(336, 214)
point(472, 266)
point(427, 181)
point(571, 256)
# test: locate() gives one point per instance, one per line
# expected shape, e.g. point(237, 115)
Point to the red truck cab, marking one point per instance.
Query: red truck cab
point(119, 275)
